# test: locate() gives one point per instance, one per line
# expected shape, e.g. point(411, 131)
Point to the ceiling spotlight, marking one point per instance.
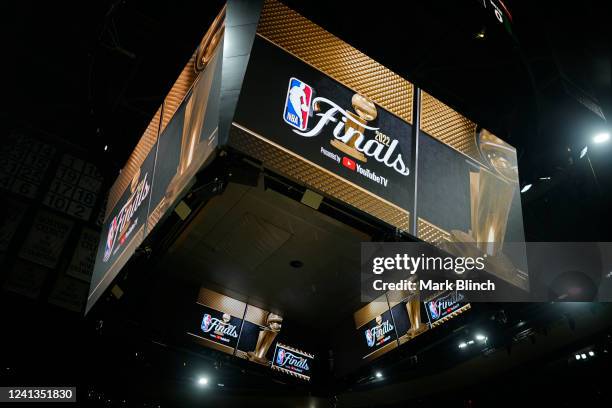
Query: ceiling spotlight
point(583, 356)
point(526, 188)
point(462, 345)
point(202, 381)
point(591, 353)
point(544, 178)
point(601, 137)
point(577, 356)
point(378, 374)
point(481, 337)
point(470, 342)
point(481, 34)
point(105, 147)
point(584, 151)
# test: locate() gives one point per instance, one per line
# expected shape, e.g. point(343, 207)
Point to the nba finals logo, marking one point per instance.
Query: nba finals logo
point(352, 132)
point(378, 333)
point(297, 105)
point(219, 327)
point(291, 361)
point(121, 225)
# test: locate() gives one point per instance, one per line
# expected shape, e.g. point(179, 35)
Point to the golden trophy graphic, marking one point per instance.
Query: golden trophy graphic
point(212, 38)
point(366, 112)
point(266, 337)
point(226, 319)
point(413, 307)
point(194, 148)
point(491, 194)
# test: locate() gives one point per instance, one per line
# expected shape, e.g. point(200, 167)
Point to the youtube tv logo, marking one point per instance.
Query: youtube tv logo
point(349, 164)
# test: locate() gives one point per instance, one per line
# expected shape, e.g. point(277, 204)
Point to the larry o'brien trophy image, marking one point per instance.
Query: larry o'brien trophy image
point(413, 307)
point(194, 148)
point(410, 301)
point(491, 194)
point(366, 112)
point(265, 339)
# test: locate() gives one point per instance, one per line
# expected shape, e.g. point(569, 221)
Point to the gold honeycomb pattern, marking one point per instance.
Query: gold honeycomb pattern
point(222, 303)
point(287, 29)
point(448, 126)
point(178, 91)
point(456, 313)
point(256, 315)
point(281, 160)
point(430, 233)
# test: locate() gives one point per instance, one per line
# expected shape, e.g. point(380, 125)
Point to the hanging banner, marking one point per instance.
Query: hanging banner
point(84, 257)
point(26, 279)
point(46, 239)
point(69, 293)
point(10, 217)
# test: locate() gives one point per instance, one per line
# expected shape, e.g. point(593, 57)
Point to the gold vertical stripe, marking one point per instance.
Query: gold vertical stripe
point(317, 47)
point(222, 303)
point(178, 91)
point(448, 126)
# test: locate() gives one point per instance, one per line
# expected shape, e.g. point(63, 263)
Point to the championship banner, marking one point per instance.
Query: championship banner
point(26, 279)
point(84, 257)
point(69, 293)
point(46, 239)
point(289, 360)
point(10, 218)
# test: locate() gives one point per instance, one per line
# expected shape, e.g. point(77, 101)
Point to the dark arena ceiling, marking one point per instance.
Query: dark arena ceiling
point(94, 73)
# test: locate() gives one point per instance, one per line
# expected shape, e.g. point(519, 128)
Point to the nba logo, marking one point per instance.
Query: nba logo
point(280, 357)
point(369, 338)
point(433, 310)
point(206, 323)
point(110, 239)
point(297, 105)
